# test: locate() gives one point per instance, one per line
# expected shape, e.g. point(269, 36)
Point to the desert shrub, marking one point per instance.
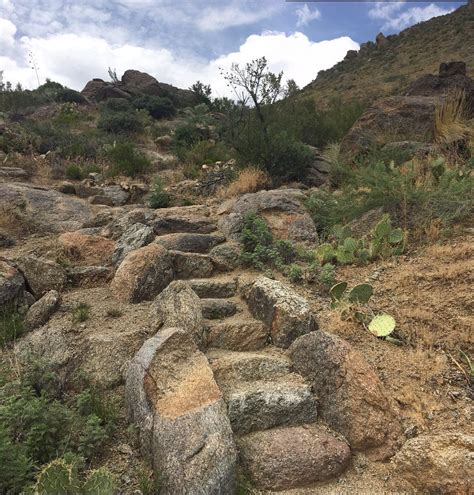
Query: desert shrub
point(121, 123)
point(248, 180)
point(295, 273)
point(116, 105)
point(11, 324)
point(39, 423)
point(207, 152)
point(127, 160)
point(80, 313)
point(184, 137)
point(66, 95)
point(158, 108)
point(158, 197)
point(74, 172)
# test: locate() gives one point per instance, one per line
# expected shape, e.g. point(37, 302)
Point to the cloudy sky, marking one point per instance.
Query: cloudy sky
point(180, 41)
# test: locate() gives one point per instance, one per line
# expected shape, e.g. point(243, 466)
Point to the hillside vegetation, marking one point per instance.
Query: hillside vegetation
point(386, 68)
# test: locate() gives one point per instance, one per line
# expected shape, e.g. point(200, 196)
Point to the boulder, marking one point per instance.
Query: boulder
point(98, 90)
point(13, 173)
point(87, 275)
point(135, 237)
point(42, 275)
point(87, 249)
point(40, 312)
point(226, 256)
point(318, 171)
point(175, 403)
point(12, 284)
point(5, 240)
point(214, 287)
point(179, 306)
point(284, 312)
point(191, 265)
point(237, 334)
point(116, 194)
point(190, 243)
point(352, 398)
point(45, 210)
point(143, 274)
point(285, 458)
point(439, 463)
point(403, 118)
point(282, 209)
point(191, 225)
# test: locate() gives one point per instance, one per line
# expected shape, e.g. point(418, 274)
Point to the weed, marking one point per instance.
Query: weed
point(295, 273)
point(81, 313)
point(11, 325)
point(158, 197)
point(327, 274)
point(74, 172)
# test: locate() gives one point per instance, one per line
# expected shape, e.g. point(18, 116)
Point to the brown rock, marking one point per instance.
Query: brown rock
point(40, 312)
point(12, 283)
point(438, 463)
point(177, 406)
point(87, 249)
point(191, 265)
point(143, 274)
point(283, 311)
point(352, 398)
point(190, 243)
point(42, 275)
point(237, 334)
point(226, 256)
point(285, 458)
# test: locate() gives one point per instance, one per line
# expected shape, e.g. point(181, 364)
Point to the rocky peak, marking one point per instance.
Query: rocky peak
point(381, 40)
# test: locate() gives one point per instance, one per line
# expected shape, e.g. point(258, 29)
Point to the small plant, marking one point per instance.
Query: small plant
point(11, 325)
point(74, 172)
point(248, 180)
point(327, 274)
point(158, 197)
point(114, 313)
point(354, 303)
point(386, 240)
point(295, 273)
point(80, 313)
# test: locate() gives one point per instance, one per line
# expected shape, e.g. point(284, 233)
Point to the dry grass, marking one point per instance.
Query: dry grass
point(451, 124)
point(249, 180)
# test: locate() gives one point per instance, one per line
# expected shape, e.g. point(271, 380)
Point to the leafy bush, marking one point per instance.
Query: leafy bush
point(116, 105)
point(295, 273)
point(158, 108)
point(184, 138)
point(67, 95)
point(39, 423)
point(74, 172)
point(206, 152)
point(11, 325)
point(127, 160)
point(158, 197)
point(121, 123)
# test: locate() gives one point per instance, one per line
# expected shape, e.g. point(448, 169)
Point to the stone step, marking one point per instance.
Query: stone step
point(190, 243)
point(182, 224)
point(216, 309)
point(285, 458)
point(260, 405)
point(214, 288)
point(235, 367)
point(191, 265)
point(240, 332)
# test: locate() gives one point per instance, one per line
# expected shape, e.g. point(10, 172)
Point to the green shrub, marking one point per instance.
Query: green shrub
point(184, 138)
point(116, 105)
point(66, 95)
point(127, 160)
point(11, 325)
point(158, 108)
point(158, 197)
point(327, 274)
point(74, 172)
point(80, 313)
point(295, 273)
point(121, 123)
point(207, 152)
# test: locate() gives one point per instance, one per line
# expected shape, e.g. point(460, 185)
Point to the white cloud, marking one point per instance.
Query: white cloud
point(7, 33)
point(305, 15)
point(397, 19)
point(73, 59)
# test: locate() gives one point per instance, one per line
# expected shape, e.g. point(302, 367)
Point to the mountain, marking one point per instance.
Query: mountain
point(389, 65)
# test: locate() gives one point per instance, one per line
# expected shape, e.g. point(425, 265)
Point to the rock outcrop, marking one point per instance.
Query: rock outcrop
point(41, 274)
point(282, 209)
point(184, 430)
point(352, 398)
point(40, 312)
point(143, 274)
point(12, 284)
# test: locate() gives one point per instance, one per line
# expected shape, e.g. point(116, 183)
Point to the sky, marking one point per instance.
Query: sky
point(182, 41)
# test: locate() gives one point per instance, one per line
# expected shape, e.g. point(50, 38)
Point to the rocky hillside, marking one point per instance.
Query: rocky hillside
point(390, 64)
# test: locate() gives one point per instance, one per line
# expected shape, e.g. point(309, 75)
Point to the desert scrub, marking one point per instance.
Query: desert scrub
point(158, 198)
point(40, 421)
point(80, 313)
point(248, 180)
point(11, 325)
point(127, 160)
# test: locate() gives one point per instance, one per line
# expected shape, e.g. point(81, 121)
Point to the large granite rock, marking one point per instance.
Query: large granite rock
point(40, 312)
point(143, 274)
point(352, 398)
point(282, 209)
point(285, 458)
point(98, 90)
point(284, 312)
point(179, 306)
point(190, 243)
point(440, 463)
point(135, 237)
point(181, 417)
point(41, 274)
point(46, 210)
point(12, 284)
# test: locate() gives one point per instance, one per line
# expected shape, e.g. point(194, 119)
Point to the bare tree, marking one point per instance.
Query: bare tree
point(254, 82)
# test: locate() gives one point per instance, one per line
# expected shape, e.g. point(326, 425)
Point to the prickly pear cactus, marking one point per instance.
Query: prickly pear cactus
point(361, 294)
point(382, 325)
point(56, 478)
point(99, 482)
